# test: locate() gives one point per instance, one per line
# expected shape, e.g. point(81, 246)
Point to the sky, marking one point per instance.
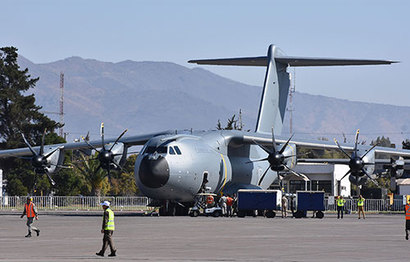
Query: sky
point(177, 31)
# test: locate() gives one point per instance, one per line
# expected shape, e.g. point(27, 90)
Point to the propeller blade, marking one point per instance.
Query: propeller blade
point(251, 161)
point(294, 172)
point(285, 145)
point(118, 166)
point(290, 156)
point(50, 179)
point(118, 139)
point(356, 140)
point(273, 140)
point(42, 142)
point(88, 143)
point(263, 176)
point(51, 152)
point(369, 151)
point(267, 150)
point(109, 174)
point(341, 149)
point(28, 144)
point(102, 136)
point(367, 174)
point(348, 172)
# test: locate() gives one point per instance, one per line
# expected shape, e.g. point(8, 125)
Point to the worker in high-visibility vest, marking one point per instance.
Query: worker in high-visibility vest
point(340, 206)
point(107, 229)
point(30, 211)
point(407, 210)
point(360, 206)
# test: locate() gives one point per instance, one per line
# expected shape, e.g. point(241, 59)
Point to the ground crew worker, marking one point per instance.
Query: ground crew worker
point(108, 228)
point(284, 206)
point(31, 211)
point(407, 210)
point(229, 204)
point(340, 206)
point(223, 205)
point(360, 206)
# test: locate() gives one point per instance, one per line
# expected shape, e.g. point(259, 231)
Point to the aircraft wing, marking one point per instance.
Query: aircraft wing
point(267, 140)
point(128, 141)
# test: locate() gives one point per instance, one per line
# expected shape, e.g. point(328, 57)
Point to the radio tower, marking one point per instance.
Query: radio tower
point(290, 105)
point(61, 131)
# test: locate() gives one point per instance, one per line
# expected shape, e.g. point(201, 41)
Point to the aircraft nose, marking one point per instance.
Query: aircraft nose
point(154, 172)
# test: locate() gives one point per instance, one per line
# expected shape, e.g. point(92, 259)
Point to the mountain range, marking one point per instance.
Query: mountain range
point(155, 96)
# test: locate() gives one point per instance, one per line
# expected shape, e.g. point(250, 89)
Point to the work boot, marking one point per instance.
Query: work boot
point(407, 237)
point(100, 254)
point(28, 235)
point(113, 254)
point(38, 232)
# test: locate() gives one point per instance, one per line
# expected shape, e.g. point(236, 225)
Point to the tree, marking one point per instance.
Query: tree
point(406, 144)
point(382, 141)
point(18, 114)
point(123, 183)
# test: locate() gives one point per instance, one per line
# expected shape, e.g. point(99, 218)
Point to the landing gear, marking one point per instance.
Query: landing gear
point(173, 209)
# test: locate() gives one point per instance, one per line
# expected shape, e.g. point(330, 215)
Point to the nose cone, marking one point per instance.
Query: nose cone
point(154, 172)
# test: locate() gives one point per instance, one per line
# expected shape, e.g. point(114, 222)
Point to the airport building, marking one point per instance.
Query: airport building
point(318, 177)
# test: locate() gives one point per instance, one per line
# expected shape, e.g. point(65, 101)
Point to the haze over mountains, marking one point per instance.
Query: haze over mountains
point(155, 96)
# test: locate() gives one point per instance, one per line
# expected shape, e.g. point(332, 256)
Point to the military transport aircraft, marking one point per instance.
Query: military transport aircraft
point(174, 166)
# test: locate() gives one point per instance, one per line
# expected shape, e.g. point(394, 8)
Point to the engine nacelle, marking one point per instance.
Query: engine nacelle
point(290, 154)
point(357, 180)
point(119, 151)
point(52, 162)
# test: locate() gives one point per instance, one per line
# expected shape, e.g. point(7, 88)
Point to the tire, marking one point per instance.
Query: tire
point(270, 214)
point(216, 214)
point(195, 213)
point(319, 214)
point(241, 213)
point(298, 214)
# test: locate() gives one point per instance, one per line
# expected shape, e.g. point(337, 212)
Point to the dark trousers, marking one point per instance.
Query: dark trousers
point(340, 211)
point(107, 241)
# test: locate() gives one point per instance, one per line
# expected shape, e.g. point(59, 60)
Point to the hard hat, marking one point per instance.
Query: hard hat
point(30, 198)
point(105, 203)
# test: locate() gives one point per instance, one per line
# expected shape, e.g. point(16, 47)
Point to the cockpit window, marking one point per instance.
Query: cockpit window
point(159, 150)
point(177, 150)
point(171, 151)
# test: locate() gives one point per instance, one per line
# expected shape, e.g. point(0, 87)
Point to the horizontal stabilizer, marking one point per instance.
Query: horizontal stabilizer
point(290, 60)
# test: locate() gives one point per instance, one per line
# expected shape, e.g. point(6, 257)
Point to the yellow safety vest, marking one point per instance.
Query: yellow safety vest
point(360, 202)
point(110, 223)
point(341, 202)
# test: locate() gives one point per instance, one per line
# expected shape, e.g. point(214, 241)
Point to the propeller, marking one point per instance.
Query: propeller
point(356, 163)
point(275, 157)
point(39, 160)
point(396, 167)
point(105, 155)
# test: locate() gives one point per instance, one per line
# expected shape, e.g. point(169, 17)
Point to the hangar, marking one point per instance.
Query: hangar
point(318, 176)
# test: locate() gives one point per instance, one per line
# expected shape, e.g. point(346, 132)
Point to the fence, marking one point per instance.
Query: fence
point(369, 205)
point(82, 203)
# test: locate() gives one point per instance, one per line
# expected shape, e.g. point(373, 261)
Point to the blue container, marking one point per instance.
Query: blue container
point(310, 201)
point(257, 200)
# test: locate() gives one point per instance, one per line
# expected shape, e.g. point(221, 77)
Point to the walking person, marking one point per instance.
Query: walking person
point(340, 206)
point(108, 228)
point(284, 206)
point(407, 214)
point(223, 205)
point(30, 211)
point(360, 206)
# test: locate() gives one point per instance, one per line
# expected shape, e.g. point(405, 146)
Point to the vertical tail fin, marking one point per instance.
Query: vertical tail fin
point(274, 95)
point(276, 87)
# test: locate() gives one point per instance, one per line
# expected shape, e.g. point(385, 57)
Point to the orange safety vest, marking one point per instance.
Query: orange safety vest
point(229, 201)
point(407, 208)
point(29, 210)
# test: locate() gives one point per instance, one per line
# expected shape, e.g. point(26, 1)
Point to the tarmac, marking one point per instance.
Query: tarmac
point(137, 238)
